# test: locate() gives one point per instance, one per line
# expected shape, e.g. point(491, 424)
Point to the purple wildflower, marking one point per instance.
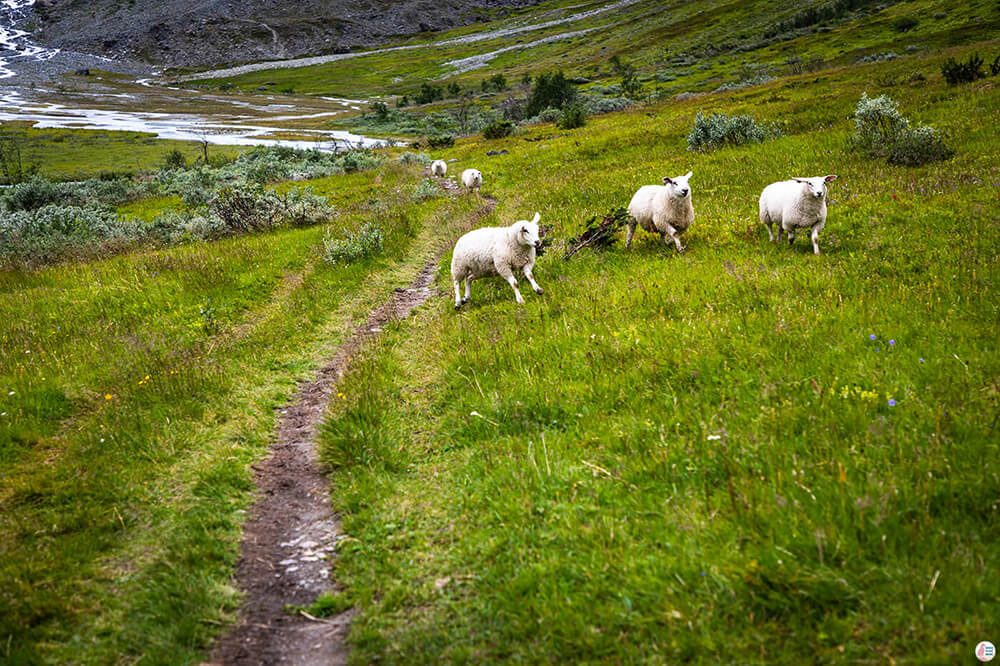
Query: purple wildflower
point(892, 402)
point(871, 337)
point(921, 359)
point(892, 342)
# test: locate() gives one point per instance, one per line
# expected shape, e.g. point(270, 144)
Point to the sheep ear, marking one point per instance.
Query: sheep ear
point(667, 181)
point(830, 177)
point(535, 219)
point(801, 180)
point(689, 174)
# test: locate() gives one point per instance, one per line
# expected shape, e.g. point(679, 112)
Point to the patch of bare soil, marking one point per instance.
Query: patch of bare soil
point(291, 532)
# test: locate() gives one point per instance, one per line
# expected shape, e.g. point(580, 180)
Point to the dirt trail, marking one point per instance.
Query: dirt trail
point(291, 532)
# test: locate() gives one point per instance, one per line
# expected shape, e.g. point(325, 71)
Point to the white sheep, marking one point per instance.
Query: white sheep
point(495, 251)
point(662, 209)
point(799, 203)
point(472, 179)
point(439, 168)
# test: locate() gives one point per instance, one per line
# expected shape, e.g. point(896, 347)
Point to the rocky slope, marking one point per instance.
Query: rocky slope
point(203, 33)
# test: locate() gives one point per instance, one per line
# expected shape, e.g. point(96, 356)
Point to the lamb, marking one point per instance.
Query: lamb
point(664, 209)
point(439, 168)
point(472, 179)
point(496, 251)
point(799, 203)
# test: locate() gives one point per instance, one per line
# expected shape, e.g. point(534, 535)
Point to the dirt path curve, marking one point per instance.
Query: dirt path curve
point(291, 532)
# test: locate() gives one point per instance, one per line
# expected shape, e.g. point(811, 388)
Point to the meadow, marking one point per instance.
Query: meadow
point(743, 452)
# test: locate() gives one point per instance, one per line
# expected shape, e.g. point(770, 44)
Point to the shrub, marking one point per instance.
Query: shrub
point(428, 94)
point(441, 141)
point(32, 194)
point(244, 208)
point(551, 91)
point(358, 160)
point(595, 106)
point(877, 57)
point(719, 130)
point(498, 129)
point(365, 242)
point(427, 189)
point(512, 109)
point(905, 23)
point(381, 111)
point(414, 158)
point(32, 237)
point(956, 72)
point(573, 117)
point(919, 146)
point(174, 160)
point(882, 131)
point(995, 66)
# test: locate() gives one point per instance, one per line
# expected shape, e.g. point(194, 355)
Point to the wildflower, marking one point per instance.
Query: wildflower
point(921, 359)
point(892, 343)
point(892, 402)
point(714, 437)
point(871, 337)
point(107, 396)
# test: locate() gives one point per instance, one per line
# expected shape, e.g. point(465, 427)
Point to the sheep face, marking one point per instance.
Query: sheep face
point(816, 186)
point(527, 232)
point(678, 186)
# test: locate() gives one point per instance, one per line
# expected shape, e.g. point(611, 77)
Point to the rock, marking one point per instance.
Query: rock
point(491, 153)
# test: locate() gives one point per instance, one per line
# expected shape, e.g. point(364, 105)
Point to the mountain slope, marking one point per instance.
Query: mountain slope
point(213, 32)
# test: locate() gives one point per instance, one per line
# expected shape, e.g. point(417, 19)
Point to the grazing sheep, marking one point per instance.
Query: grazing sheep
point(439, 168)
point(662, 209)
point(799, 203)
point(472, 179)
point(495, 251)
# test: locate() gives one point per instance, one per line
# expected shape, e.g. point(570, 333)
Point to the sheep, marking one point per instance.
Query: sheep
point(799, 203)
point(664, 209)
point(496, 251)
point(472, 179)
point(439, 168)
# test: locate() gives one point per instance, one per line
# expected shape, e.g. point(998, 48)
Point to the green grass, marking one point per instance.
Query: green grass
point(665, 458)
point(698, 45)
point(137, 392)
point(694, 457)
point(61, 154)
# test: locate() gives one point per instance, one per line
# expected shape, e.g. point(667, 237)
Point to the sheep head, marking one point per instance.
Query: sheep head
point(678, 185)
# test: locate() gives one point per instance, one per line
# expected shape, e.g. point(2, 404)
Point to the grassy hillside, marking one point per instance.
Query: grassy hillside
point(743, 452)
point(137, 392)
point(690, 46)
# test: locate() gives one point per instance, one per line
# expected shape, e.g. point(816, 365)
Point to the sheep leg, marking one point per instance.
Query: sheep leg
point(468, 289)
point(677, 240)
point(531, 278)
point(769, 232)
point(791, 236)
point(815, 240)
point(631, 231)
point(508, 275)
point(458, 292)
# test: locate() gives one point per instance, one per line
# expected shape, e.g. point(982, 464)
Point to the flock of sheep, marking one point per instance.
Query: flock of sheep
point(799, 203)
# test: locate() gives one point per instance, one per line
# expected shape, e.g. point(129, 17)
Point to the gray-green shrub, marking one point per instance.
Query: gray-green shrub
point(719, 130)
point(880, 130)
point(368, 241)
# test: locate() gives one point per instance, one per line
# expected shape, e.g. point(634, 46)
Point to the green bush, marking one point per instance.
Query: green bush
point(905, 24)
point(880, 130)
point(441, 141)
point(955, 72)
point(551, 91)
point(368, 241)
point(427, 189)
point(573, 116)
point(175, 160)
point(719, 130)
point(498, 129)
point(995, 66)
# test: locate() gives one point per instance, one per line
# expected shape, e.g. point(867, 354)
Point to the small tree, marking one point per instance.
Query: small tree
point(498, 82)
point(454, 90)
point(381, 111)
point(402, 102)
point(551, 90)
